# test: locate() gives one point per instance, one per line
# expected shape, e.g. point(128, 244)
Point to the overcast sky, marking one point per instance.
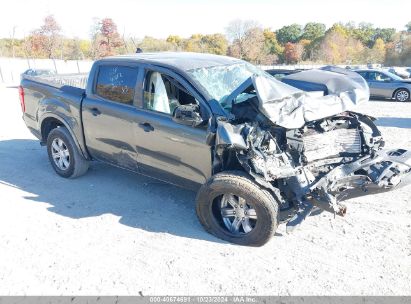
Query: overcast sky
point(160, 18)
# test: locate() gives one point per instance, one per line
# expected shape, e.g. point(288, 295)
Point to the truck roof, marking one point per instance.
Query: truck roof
point(179, 60)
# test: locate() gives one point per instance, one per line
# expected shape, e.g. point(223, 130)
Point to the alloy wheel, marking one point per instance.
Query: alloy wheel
point(239, 217)
point(60, 154)
point(402, 95)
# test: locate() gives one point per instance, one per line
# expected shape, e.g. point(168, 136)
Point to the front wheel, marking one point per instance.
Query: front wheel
point(402, 95)
point(64, 156)
point(234, 208)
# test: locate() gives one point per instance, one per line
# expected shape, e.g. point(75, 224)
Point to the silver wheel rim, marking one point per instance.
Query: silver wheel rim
point(60, 154)
point(238, 216)
point(402, 95)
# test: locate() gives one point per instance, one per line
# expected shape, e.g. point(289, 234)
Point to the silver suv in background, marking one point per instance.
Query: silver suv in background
point(386, 85)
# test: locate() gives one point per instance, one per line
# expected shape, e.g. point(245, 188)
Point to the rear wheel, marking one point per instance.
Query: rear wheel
point(63, 154)
point(234, 208)
point(402, 95)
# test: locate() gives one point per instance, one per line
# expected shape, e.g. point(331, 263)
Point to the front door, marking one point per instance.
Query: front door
point(380, 84)
point(168, 150)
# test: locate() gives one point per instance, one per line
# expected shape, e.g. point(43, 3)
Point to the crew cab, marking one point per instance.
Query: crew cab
point(258, 151)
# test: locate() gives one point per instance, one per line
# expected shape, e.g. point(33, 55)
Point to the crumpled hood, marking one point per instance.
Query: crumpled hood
point(291, 108)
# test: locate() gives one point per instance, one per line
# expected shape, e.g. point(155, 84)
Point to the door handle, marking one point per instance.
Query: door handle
point(95, 111)
point(146, 127)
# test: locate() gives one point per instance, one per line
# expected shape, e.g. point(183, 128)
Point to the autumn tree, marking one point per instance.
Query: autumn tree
point(271, 43)
point(293, 52)
point(338, 47)
point(151, 44)
point(377, 52)
point(45, 40)
point(253, 46)
point(109, 38)
point(176, 41)
point(212, 43)
point(74, 49)
point(257, 46)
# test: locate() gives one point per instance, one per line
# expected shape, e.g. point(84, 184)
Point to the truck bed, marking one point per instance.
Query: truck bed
point(54, 97)
point(78, 80)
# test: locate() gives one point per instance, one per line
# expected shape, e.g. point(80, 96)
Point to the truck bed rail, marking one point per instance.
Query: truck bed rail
point(78, 80)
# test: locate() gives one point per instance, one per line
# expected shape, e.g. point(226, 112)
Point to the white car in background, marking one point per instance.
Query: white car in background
point(403, 72)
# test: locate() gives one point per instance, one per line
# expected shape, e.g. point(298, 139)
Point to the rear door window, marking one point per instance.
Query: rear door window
point(117, 83)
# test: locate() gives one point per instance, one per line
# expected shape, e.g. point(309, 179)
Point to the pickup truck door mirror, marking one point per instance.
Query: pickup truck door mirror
point(188, 115)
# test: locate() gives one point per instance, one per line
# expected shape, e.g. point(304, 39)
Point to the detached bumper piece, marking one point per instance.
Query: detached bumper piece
point(384, 171)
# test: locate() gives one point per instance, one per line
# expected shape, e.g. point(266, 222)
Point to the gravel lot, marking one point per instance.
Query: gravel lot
point(112, 232)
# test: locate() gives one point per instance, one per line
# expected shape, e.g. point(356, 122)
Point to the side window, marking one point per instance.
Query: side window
point(163, 93)
point(377, 76)
point(364, 75)
point(117, 83)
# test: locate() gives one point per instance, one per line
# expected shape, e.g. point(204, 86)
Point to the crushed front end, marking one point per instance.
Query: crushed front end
point(307, 163)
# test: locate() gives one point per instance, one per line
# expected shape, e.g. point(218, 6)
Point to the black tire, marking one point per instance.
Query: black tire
point(78, 165)
point(402, 95)
point(240, 185)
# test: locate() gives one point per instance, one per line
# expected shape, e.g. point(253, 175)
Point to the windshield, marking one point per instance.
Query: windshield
point(221, 81)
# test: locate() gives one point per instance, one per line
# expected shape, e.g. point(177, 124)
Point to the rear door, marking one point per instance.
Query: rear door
point(168, 150)
point(108, 115)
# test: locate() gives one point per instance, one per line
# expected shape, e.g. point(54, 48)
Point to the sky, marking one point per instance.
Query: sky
point(161, 18)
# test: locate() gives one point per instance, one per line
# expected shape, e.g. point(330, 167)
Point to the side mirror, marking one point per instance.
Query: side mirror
point(188, 115)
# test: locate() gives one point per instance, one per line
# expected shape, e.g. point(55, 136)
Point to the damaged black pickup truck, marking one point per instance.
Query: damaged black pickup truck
point(260, 151)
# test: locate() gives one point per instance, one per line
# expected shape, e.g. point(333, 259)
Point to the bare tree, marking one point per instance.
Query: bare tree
point(237, 33)
point(94, 35)
point(13, 33)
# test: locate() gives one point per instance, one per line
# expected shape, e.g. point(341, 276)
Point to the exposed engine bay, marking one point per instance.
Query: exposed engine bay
point(316, 165)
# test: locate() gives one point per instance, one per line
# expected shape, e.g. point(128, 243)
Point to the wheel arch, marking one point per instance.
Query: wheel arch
point(51, 121)
point(401, 88)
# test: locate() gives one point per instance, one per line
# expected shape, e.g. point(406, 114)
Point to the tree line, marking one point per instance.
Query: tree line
point(342, 43)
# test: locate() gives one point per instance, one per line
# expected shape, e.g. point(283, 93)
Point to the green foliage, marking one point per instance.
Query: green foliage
point(386, 34)
point(365, 32)
point(289, 33)
point(271, 43)
point(313, 31)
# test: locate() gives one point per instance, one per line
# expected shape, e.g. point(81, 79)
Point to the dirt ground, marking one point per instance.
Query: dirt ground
point(113, 232)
